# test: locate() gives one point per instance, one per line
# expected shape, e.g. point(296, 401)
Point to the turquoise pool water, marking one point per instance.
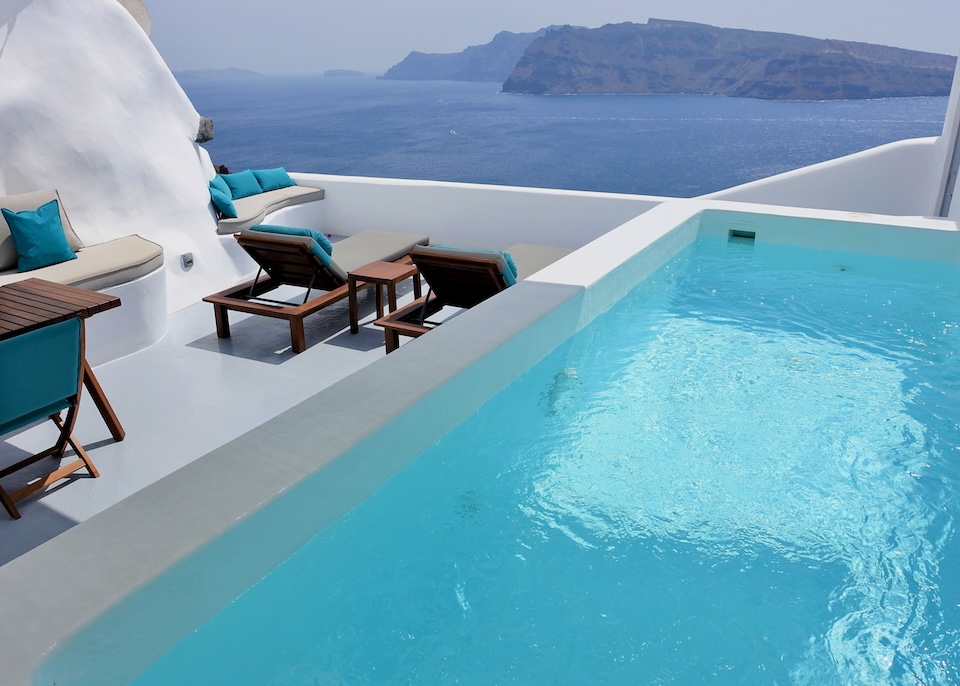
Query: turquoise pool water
point(745, 472)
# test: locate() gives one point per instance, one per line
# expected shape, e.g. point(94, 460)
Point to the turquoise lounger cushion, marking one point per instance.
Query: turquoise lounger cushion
point(320, 245)
point(508, 258)
point(509, 270)
point(221, 185)
point(272, 179)
point(38, 237)
point(318, 236)
point(242, 184)
point(223, 202)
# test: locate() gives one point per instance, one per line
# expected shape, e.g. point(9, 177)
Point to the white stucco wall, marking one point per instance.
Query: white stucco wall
point(464, 214)
point(88, 106)
point(901, 178)
point(949, 141)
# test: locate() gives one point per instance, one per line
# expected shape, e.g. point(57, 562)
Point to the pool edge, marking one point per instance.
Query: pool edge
point(43, 612)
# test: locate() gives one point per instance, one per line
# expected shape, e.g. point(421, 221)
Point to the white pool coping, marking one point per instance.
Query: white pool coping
point(338, 446)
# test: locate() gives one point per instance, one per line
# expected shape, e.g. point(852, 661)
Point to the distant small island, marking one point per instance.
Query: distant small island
point(678, 57)
point(228, 73)
point(340, 73)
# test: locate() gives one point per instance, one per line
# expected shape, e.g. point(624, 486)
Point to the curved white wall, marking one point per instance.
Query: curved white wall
point(88, 106)
point(139, 322)
point(901, 178)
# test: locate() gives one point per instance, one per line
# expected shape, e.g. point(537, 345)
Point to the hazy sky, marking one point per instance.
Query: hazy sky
point(371, 35)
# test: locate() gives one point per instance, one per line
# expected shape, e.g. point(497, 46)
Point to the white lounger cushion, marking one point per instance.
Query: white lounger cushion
point(371, 246)
point(252, 209)
point(99, 266)
point(531, 258)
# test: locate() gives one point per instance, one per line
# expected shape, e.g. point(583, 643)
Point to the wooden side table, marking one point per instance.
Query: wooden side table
point(380, 275)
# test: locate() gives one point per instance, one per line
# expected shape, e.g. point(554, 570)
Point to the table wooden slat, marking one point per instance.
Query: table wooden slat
point(32, 303)
point(35, 303)
point(79, 296)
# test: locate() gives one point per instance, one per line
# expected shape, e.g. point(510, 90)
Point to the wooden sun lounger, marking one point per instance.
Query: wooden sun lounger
point(456, 280)
point(287, 261)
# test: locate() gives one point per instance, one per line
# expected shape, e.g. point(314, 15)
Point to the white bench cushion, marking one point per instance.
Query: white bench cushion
point(252, 209)
point(99, 266)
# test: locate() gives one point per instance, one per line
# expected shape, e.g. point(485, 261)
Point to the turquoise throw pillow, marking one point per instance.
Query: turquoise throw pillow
point(325, 245)
point(38, 237)
point(242, 184)
point(223, 203)
point(272, 179)
point(221, 185)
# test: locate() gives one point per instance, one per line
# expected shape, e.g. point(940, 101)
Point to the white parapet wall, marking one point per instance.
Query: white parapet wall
point(901, 178)
point(463, 214)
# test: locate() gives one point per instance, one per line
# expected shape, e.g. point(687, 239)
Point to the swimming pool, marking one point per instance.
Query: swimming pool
point(746, 471)
point(687, 537)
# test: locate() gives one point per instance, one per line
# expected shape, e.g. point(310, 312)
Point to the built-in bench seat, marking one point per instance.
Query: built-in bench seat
point(97, 266)
point(253, 209)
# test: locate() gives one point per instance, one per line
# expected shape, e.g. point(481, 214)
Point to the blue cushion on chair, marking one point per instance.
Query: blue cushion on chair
point(318, 236)
point(272, 179)
point(41, 370)
point(242, 184)
point(222, 202)
point(38, 237)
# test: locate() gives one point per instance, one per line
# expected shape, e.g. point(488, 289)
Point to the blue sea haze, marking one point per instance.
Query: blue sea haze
point(678, 145)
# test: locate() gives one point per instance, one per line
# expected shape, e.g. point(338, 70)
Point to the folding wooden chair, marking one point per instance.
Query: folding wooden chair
point(41, 374)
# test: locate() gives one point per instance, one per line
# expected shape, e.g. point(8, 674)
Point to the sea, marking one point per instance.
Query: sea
point(675, 145)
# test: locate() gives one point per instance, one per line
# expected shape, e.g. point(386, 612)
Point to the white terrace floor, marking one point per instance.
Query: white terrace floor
point(180, 399)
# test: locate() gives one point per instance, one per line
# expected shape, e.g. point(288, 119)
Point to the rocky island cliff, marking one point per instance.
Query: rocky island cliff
point(664, 56)
point(683, 57)
point(493, 61)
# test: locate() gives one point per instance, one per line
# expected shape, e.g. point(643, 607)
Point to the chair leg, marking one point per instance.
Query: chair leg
point(66, 428)
point(379, 291)
point(8, 504)
point(67, 437)
point(297, 336)
point(220, 314)
point(82, 454)
point(391, 340)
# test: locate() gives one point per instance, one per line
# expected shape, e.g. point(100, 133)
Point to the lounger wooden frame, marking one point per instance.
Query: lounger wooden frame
point(286, 262)
point(453, 280)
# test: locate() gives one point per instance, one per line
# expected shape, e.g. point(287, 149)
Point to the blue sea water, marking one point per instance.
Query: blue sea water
point(649, 144)
point(745, 472)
